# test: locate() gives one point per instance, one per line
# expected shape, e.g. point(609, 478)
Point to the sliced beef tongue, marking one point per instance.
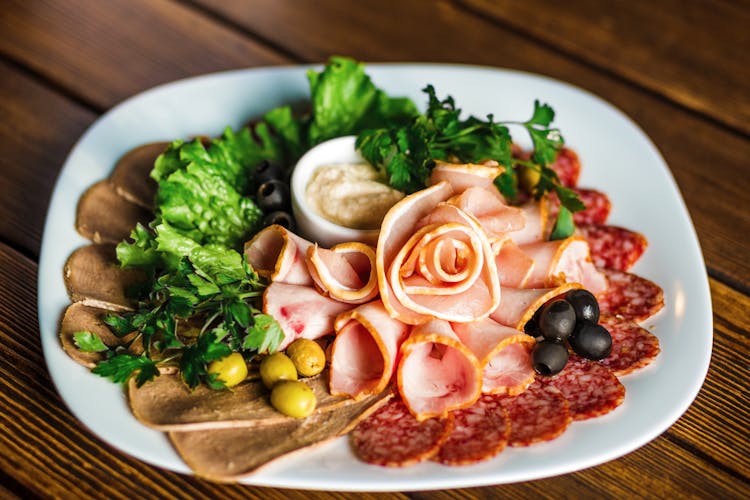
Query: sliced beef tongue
point(93, 276)
point(131, 178)
point(103, 216)
point(82, 318)
point(233, 453)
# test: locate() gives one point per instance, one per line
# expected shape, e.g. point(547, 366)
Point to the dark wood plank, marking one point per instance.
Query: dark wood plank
point(103, 52)
point(37, 130)
point(44, 448)
point(708, 162)
point(694, 53)
point(720, 414)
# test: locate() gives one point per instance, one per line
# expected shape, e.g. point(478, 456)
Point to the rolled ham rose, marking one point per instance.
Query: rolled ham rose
point(434, 261)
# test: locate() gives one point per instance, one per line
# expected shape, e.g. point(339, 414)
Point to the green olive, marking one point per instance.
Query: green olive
point(528, 178)
point(293, 398)
point(277, 367)
point(308, 357)
point(231, 370)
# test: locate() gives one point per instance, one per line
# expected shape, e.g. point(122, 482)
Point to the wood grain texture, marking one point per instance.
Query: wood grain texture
point(103, 52)
point(694, 53)
point(679, 69)
point(708, 162)
point(37, 130)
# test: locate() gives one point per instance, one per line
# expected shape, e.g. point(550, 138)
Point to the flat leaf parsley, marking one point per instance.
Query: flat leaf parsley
point(407, 153)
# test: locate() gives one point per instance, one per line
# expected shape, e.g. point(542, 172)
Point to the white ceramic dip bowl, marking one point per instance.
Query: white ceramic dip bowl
point(310, 224)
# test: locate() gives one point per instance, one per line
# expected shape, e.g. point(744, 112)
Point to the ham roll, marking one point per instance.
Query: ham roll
point(518, 305)
point(437, 372)
point(279, 255)
point(301, 311)
point(346, 272)
point(365, 352)
point(561, 261)
point(504, 354)
point(464, 176)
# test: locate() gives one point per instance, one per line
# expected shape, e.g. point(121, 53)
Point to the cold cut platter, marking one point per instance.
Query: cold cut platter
point(647, 393)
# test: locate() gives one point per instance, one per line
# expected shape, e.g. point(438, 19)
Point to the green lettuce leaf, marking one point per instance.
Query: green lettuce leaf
point(345, 102)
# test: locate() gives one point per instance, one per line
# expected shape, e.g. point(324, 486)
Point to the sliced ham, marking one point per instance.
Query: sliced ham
point(301, 311)
point(278, 254)
point(488, 207)
point(445, 270)
point(437, 372)
point(536, 216)
point(504, 354)
point(463, 176)
point(396, 230)
point(518, 305)
point(514, 266)
point(562, 261)
point(364, 354)
point(346, 272)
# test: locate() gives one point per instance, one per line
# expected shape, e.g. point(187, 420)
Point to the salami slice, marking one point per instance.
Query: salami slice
point(567, 166)
point(633, 346)
point(590, 388)
point(393, 437)
point(479, 433)
point(538, 414)
point(613, 247)
point(597, 206)
point(630, 296)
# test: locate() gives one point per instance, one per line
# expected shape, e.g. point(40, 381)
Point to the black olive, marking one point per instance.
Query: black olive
point(281, 218)
point(584, 304)
point(548, 357)
point(272, 196)
point(268, 170)
point(557, 320)
point(591, 341)
point(532, 326)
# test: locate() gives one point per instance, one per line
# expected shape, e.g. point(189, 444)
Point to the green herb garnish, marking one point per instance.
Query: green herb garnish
point(407, 153)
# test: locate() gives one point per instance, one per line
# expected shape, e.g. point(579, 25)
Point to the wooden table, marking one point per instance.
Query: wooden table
point(680, 69)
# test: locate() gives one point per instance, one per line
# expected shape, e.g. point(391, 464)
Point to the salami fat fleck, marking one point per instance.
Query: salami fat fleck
point(633, 346)
point(479, 433)
point(597, 206)
point(613, 247)
point(630, 296)
point(590, 388)
point(538, 414)
point(393, 437)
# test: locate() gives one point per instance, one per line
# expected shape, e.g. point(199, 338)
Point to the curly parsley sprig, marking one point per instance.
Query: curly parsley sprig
point(202, 311)
point(407, 153)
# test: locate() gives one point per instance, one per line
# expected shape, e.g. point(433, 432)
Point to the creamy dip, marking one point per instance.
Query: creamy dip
point(351, 195)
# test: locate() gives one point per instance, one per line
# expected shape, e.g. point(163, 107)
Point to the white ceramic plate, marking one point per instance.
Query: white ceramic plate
point(617, 157)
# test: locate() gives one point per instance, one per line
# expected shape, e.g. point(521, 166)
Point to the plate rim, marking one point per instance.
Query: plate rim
point(408, 483)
